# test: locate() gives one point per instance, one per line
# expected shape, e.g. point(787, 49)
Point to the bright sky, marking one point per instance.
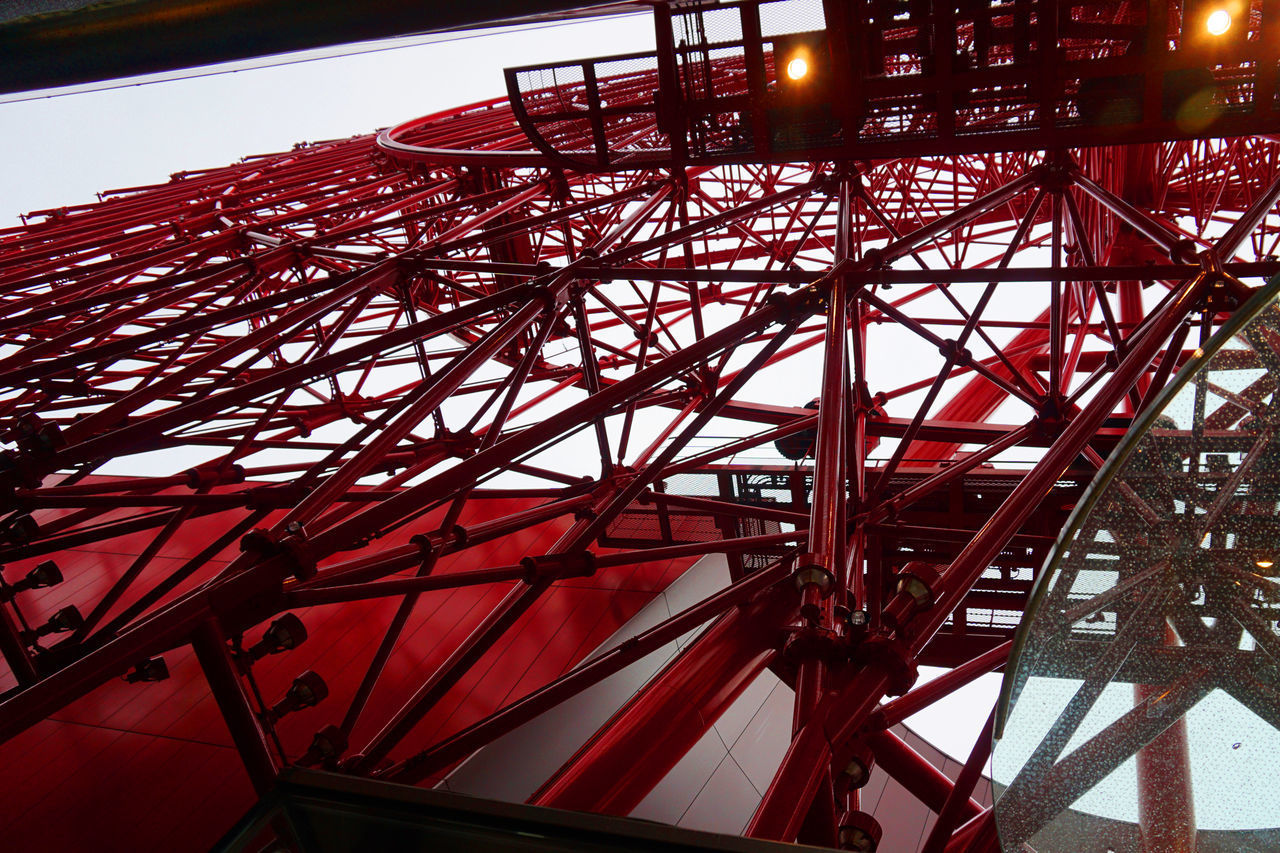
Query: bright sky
point(61, 150)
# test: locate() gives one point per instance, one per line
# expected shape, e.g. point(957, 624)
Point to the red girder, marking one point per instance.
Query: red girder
point(431, 389)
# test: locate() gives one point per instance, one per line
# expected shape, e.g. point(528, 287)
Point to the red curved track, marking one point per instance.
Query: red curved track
point(543, 394)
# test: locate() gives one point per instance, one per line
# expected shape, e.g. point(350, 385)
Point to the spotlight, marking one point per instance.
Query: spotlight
point(42, 576)
point(861, 832)
point(1218, 22)
point(285, 633)
point(151, 669)
point(64, 621)
point(21, 530)
point(306, 691)
point(918, 581)
point(798, 68)
point(328, 743)
point(859, 767)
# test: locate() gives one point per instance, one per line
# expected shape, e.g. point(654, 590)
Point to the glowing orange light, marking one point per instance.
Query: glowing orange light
point(1218, 22)
point(797, 68)
point(1264, 564)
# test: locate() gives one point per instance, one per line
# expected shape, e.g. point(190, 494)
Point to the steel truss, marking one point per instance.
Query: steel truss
point(331, 357)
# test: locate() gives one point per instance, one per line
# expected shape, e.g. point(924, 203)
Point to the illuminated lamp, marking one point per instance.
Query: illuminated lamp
point(1218, 22)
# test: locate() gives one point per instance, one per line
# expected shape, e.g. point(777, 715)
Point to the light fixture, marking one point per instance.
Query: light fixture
point(21, 530)
point(151, 669)
point(285, 633)
point(64, 621)
point(42, 576)
point(797, 67)
point(1264, 564)
point(306, 691)
point(1218, 22)
point(328, 744)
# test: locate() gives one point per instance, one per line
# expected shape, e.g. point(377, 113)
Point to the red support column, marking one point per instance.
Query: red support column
point(613, 772)
point(1166, 804)
point(215, 659)
point(925, 782)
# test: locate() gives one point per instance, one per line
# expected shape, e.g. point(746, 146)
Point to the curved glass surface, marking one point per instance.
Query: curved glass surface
point(1141, 709)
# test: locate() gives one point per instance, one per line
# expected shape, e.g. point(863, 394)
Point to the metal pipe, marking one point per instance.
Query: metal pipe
point(462, 744)
point(251, 741)
point(619, 766)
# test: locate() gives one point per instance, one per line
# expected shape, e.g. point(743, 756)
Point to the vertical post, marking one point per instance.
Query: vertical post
point(821, 571)
point(220, 670)
point(1166, 805)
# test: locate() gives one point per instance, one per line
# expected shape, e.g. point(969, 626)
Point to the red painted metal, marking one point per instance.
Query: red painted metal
point(465, 412)
point(619, 766)
point(1166, 802)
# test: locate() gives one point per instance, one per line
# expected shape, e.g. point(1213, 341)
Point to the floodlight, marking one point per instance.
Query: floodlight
point(284, 634)
point(151, 669)
point(306, 691)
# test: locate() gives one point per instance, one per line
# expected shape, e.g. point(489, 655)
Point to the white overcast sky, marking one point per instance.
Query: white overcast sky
point(61, 150)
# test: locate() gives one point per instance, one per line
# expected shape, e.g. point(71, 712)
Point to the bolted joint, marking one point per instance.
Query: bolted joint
point(291, 547)
point(1054, 175)
point(426, 548)
point(550, 299)
point(552, 567)
point(815, 643)
point(804, 303)
point(19, 472)
point(961, 355)
point(893, 658)
point(210, 475)
point(36, 436)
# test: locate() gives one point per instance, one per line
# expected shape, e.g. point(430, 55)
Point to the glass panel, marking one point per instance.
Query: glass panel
point(1142, 708)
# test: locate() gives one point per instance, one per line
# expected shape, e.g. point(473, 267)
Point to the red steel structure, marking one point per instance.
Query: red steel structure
point(449, 399)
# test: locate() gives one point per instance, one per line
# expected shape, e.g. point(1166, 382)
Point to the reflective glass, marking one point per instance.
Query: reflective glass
point(1141, 710)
